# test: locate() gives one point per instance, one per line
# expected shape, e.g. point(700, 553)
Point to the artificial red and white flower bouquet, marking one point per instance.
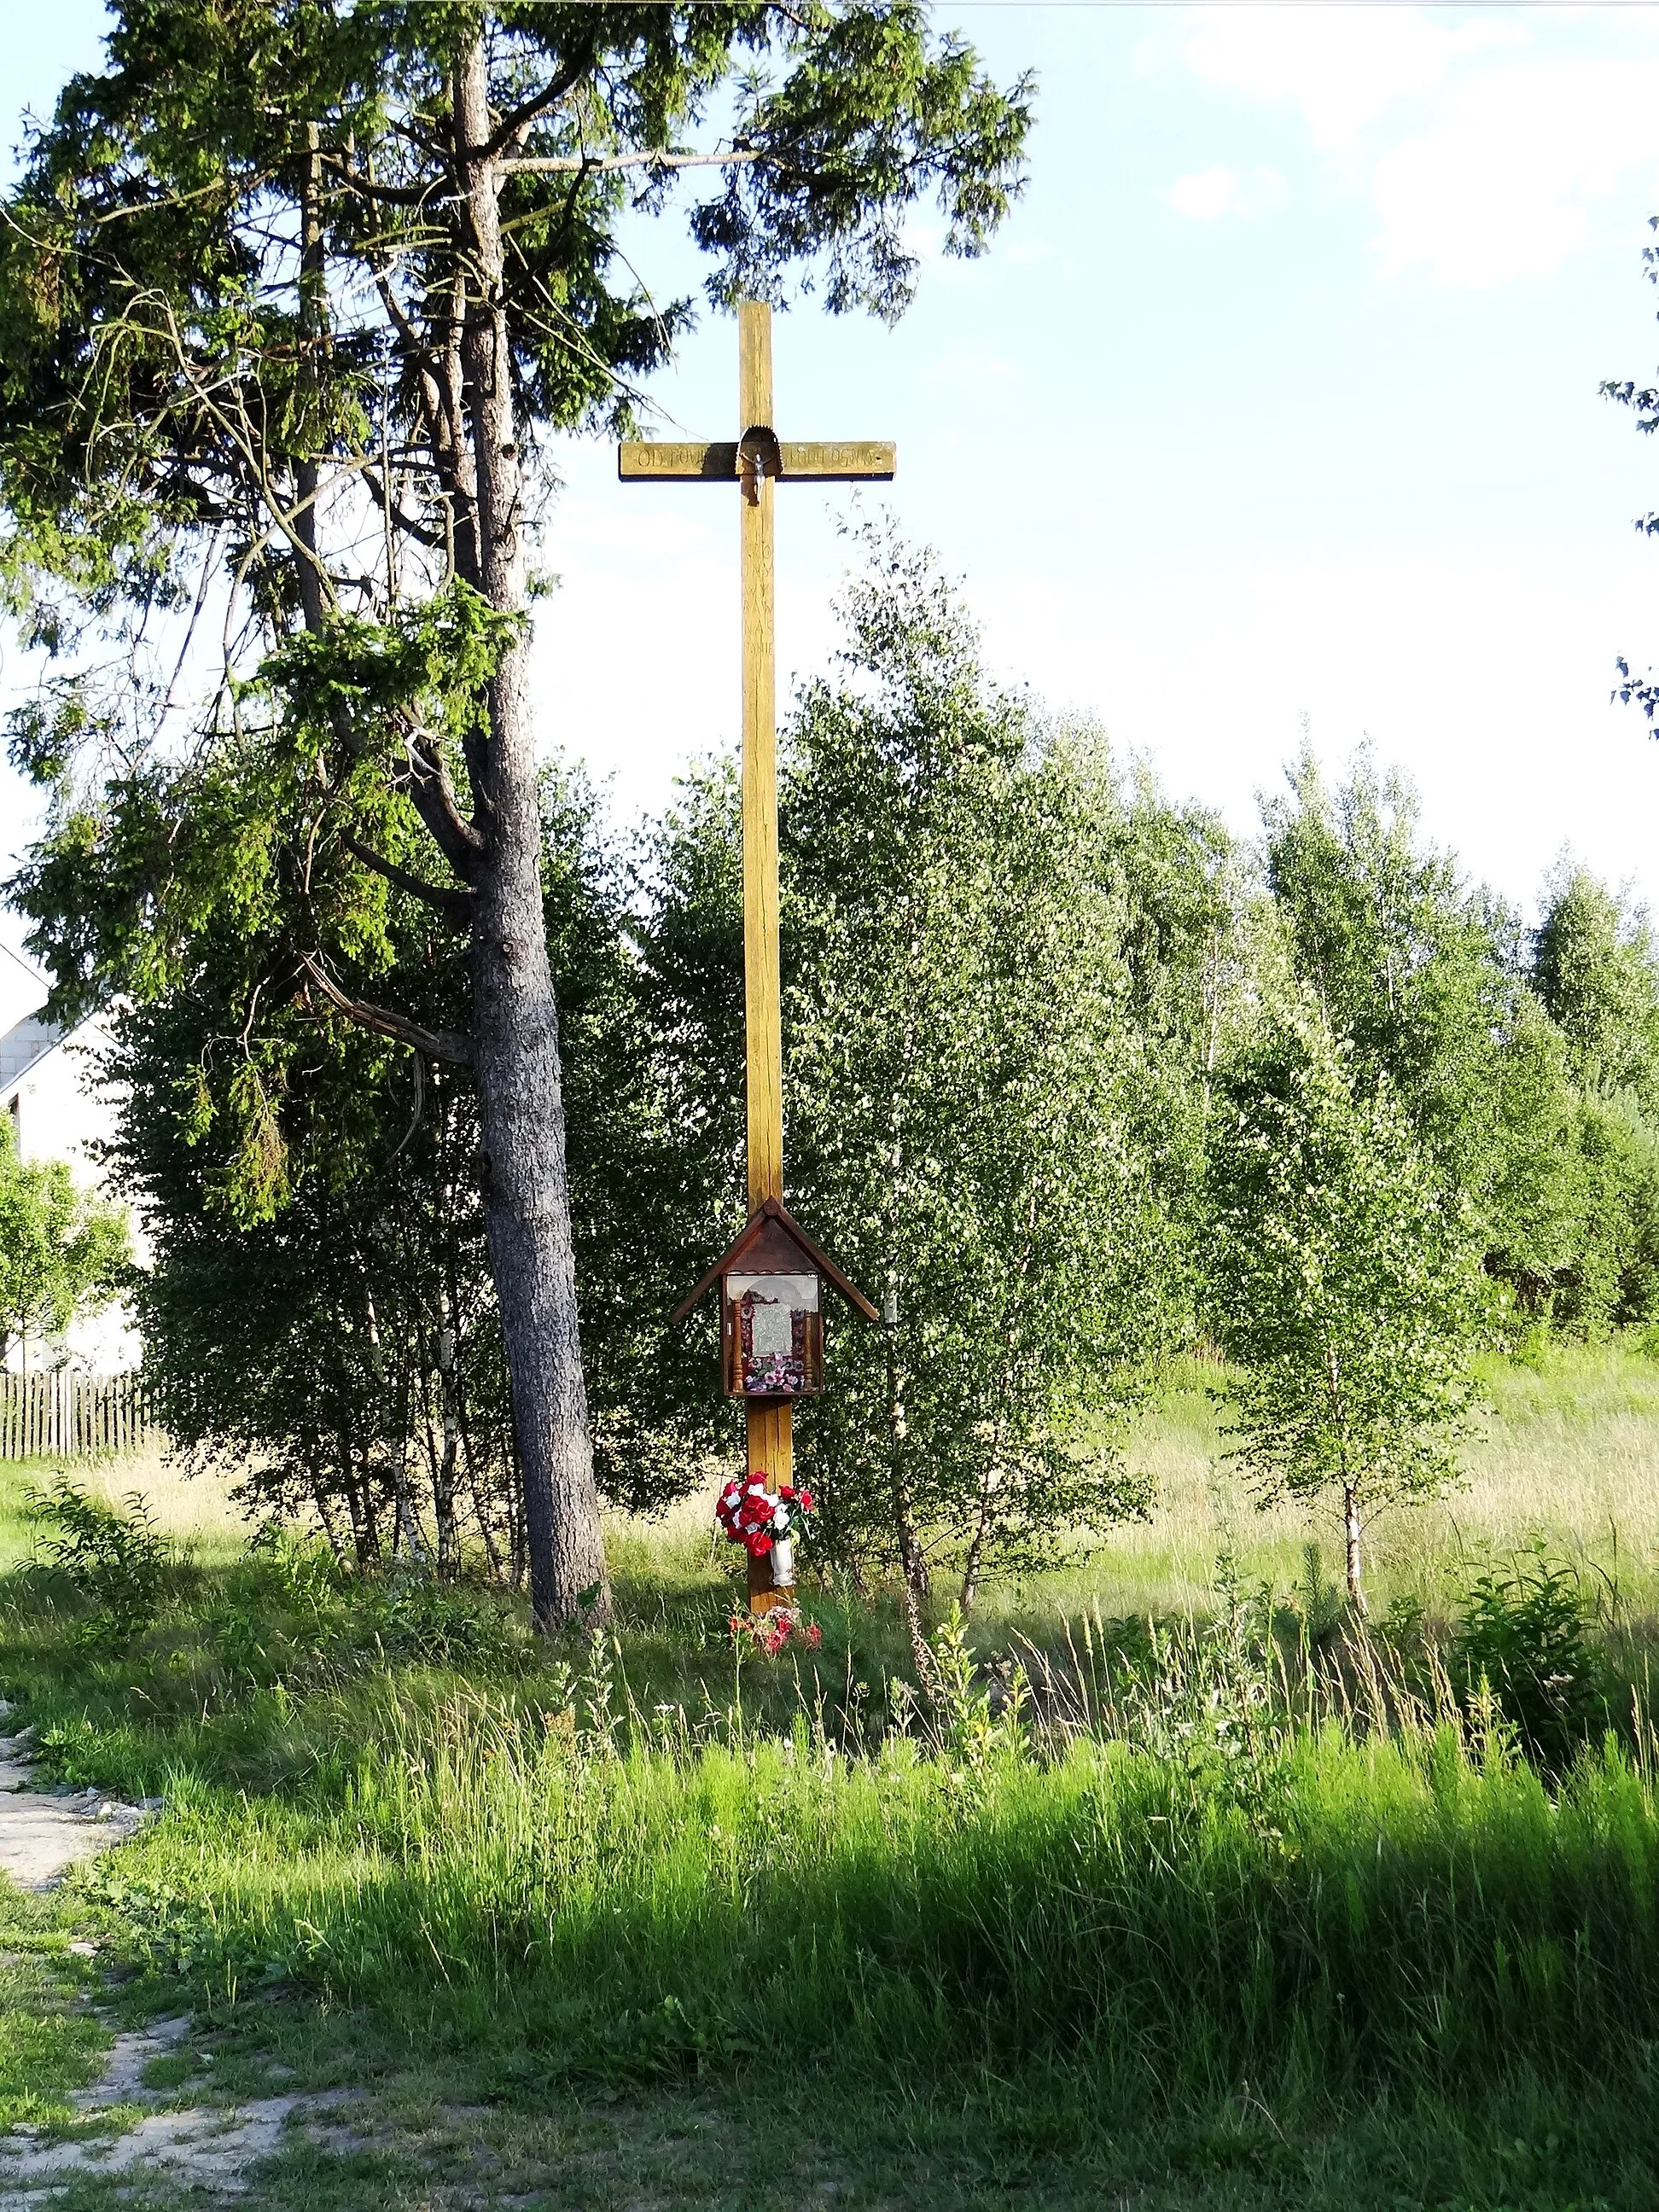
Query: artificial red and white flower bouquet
point(766, 1521)
point(770, 1632)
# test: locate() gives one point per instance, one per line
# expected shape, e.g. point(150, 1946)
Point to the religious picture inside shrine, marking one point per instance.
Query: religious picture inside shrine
point(773, 1336)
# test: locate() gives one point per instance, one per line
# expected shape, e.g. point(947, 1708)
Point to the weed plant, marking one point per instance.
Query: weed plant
point(1525, 1638)
point(112, 1555)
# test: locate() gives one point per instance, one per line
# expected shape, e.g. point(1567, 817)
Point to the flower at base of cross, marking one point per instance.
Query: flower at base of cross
point(756, 1516)
point(770, 1632)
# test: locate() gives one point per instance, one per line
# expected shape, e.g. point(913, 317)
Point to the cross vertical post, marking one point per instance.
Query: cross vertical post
point(770, 1433)
point(756, 462)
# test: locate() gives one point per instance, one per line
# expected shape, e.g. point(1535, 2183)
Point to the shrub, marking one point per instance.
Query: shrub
point(113, 1555)
point(1525, 1637)
point(296, 1570)
point(414, 1618)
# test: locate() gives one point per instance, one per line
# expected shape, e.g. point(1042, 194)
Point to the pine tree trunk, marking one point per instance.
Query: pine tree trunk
point(1350, 1536)
point(515, 1022)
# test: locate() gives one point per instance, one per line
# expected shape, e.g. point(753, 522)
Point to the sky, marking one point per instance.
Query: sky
point(1274, 404)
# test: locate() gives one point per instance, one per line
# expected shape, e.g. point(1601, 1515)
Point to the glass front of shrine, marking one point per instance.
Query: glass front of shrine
point(773, 1335)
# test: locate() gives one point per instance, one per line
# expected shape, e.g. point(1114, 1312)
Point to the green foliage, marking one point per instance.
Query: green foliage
point(1525, 1067)
point(114, 1556)
point(1346, 1281)
point(978, 1128)
point(1401, 961)
point(305, 1346)
point(413, 1618)
point(975, 1720)
point(342, 1352)
point(292, 299)
point(1593, 970)
point(299, 1571)
point(1525, 1639)
point(1597, 975)
point(194, 415)
point(64, 1251)
point(1211, 1698)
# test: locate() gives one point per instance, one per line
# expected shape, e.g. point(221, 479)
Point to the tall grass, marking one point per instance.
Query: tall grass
point(1570, 1448)
point(1155, 1861)
point(1220, 1893)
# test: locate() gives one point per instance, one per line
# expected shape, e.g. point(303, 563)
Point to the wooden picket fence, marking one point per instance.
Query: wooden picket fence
point(66, 1416)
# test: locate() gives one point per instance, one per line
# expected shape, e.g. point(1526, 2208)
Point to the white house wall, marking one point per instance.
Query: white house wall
point(58, 1112)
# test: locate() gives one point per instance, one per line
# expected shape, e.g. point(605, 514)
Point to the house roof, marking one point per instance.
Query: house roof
point(23, 1045)
point(27, 1040)
point(767, 1235)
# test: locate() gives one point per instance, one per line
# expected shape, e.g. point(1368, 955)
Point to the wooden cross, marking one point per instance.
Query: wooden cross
point(756, 461)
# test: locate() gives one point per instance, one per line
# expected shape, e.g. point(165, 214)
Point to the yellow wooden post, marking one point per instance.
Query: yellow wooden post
point(762, 1007)
point(770, 1436)
point(755, 459)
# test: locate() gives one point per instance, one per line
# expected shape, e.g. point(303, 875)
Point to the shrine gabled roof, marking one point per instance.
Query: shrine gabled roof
point(770, 1226)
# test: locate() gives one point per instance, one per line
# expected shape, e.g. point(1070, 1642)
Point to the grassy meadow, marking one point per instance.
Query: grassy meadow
point(1178, 1891)
point(1570, 1451)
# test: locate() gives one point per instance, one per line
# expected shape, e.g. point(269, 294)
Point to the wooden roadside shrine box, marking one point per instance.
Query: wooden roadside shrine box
point(770, 1280)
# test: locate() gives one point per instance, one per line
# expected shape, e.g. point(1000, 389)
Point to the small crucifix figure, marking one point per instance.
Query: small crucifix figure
point(755, 462)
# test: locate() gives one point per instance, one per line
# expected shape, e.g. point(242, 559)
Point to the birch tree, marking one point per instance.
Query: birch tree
point(979, 1115)
point(1347, 1284)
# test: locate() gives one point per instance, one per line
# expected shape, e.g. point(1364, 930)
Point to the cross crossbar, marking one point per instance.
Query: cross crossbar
point(821, 460)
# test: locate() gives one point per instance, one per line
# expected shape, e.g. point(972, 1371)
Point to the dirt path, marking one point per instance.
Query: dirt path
point(203, 2148)
point(44, 1833)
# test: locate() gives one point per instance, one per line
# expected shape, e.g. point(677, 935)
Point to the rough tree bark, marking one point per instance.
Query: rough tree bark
point(515, 1021)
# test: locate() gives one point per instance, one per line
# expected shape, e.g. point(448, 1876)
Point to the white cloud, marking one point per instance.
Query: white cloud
point(1343, 68)
point(1487, 150)
point(1205, 194)
point(1507, 181)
